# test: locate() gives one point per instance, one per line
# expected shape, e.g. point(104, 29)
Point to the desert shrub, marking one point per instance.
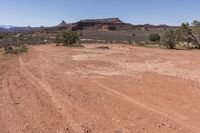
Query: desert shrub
point(133, 34)
point(103, 47)
point(80, 34)
point(154, 37)
point(8, 49)
point(169, 39)
point(58, 40)
point(131, 42)
point(1, 37)
point(140, 43)
point(11, 49)
point(70, 37)
point(190, 33)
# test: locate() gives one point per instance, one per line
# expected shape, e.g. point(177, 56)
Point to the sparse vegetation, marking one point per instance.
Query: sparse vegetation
point(190, 33)
point(103, 47)
point(80, 34)
point(1, 37)
point(187, 36)
point(68, 38)
point(169, 39)
point(58, 40)
point(11, 49)
point(154, 37)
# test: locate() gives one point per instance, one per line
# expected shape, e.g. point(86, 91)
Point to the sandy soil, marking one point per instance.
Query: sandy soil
point(123, 89)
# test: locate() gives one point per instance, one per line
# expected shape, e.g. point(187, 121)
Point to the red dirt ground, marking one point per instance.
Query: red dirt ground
point(123, 89)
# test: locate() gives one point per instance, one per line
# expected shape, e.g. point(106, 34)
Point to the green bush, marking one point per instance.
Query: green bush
point(58, 40)
point(15, 49)
point(154, 37)
point(169, 39)
point(80, 34)
point(70, 37)
point(190, 33)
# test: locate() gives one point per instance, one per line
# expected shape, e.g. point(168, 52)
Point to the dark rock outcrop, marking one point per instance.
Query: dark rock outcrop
point(62, 24)
point(102, 24)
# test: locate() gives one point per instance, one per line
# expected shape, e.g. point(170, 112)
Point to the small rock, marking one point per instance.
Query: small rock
point(17, 103)
point(26, 125)
point(66, 128)
point(87, 131)
point(158, 125)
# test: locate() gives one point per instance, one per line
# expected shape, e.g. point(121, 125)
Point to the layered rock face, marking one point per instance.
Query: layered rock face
point(102, 24)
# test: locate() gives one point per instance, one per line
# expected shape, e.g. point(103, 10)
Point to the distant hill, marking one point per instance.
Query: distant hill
point(102, 24)
point(107, 24)
point(106, 21)
point(3, 29)
point(6, 26)
point(112, 24)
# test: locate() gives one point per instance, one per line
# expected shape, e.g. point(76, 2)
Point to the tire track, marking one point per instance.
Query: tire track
point(12, 125)
point(179, 120)
point(36, 81)
point(177, 117)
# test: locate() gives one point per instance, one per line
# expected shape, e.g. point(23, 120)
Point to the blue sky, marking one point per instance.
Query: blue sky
point(51, 12)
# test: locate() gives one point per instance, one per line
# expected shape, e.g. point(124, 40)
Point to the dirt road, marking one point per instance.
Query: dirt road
point(123, 89)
